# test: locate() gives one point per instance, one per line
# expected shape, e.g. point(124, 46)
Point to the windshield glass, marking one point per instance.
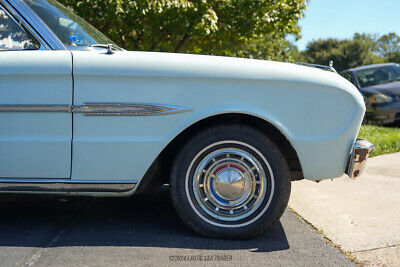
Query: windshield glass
point(378, 75)
point(72, 30)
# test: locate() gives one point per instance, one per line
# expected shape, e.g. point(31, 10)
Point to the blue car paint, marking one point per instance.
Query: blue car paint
point(35, 145)
point(319, 112)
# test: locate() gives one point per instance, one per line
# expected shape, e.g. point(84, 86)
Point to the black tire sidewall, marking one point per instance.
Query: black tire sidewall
point(253, 138)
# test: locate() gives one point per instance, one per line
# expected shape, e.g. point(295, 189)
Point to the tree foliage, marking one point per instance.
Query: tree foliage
point(344, 53)
point(222, 27)
point(388, 46)
point(269, 48)
point(367, 38)
point(362, 49)
point(395, 57)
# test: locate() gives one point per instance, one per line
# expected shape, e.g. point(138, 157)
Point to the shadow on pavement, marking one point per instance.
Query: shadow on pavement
point(147, 220)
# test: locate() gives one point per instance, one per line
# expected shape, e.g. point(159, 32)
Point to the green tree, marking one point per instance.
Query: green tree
point(221, 27)
point(269, 48)
point(388, 46)
point(369, 39)
point(394, 57)
point(344, 53)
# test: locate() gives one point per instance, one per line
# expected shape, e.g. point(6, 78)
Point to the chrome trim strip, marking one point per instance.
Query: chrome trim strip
point(101, 109)
point(35, 108)
point(65, 186)
point(323, 67)
point(127, 109)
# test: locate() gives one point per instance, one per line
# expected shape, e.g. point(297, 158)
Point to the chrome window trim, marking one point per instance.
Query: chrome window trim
point(65, 186)
point(35, 24)
point(101, 109)
point(12, 14)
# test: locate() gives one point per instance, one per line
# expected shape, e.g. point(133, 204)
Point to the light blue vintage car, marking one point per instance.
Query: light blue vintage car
point(79, 115)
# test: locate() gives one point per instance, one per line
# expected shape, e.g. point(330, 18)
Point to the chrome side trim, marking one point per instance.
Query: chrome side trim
point(121, 109)
point(101, 109)
point(323, 67)
point(358, 158)
point(35, 108)
point(65, 186)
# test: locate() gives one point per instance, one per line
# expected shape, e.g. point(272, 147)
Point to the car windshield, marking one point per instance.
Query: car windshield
point(378, 75)
point(73, 31)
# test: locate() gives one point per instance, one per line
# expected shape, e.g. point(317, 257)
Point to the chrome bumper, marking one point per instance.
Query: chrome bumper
point(361, 151)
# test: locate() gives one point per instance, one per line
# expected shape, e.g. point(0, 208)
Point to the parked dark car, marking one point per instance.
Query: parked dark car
point(380, 86)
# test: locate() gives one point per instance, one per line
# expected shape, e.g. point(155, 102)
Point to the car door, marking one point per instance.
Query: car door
point(35, 100)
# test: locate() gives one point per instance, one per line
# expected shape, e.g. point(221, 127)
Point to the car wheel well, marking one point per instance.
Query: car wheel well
point(158, 172)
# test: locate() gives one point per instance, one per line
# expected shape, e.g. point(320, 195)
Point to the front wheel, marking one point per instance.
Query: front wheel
point(230, 181)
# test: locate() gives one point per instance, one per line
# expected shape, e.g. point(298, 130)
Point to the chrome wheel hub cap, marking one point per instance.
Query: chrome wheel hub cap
point(229, 184)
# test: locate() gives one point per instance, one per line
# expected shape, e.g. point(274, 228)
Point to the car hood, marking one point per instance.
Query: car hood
point(392, 88)
point(159, 64)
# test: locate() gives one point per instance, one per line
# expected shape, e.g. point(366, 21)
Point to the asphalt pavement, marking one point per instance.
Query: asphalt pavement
point(142, 230)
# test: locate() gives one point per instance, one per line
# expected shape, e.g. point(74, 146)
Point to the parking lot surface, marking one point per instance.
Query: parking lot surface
point(141, 230)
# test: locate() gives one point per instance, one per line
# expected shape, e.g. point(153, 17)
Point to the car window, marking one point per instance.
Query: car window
point(13, 36)
point(349, 77)
point(378, 75)
point(72, 30)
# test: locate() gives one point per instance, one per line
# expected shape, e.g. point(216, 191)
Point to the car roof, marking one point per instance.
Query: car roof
point(370, 67)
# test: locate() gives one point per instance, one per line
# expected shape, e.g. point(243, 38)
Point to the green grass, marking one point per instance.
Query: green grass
point(385, 139)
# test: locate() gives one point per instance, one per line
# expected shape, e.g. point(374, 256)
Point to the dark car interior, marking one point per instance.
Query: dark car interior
point(374, 76)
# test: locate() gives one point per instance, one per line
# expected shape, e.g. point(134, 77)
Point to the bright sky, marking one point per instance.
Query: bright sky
point(342, 18)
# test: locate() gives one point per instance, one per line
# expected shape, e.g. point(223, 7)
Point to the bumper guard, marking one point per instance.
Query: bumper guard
point(358, 158)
